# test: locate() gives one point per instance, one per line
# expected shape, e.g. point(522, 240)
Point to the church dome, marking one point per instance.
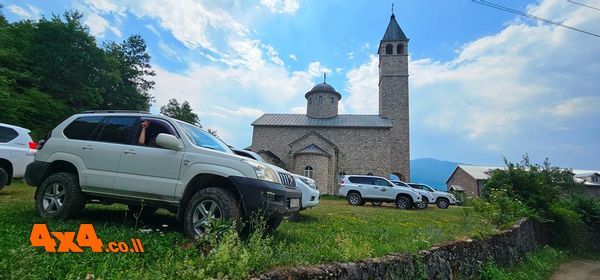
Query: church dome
point(323, 88)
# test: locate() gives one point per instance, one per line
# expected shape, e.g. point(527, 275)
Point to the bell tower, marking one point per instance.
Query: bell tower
point(393, 94)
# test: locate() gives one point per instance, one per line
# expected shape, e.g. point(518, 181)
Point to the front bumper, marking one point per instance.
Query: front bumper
point(310, 199)
point(34, 172)
point(268, 198)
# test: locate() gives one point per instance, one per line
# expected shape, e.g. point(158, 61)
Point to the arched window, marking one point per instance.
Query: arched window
point(341, 174)
point(308, 172)
point(370, 174)
point(332, 100)
point(320, 100)
point(400, 49)
point(389, 49)
point(309, 100)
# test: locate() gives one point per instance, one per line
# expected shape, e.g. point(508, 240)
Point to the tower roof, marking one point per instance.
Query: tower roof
point(393, 32)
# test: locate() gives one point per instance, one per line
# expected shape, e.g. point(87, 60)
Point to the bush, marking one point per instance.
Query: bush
point(502, 210)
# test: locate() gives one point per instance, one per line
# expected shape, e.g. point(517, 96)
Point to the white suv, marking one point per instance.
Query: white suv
point(441, 199)
point(359, 189)
point(17, 150)
point(96, 156)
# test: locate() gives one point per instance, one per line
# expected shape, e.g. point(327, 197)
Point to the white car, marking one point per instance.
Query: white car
point(149, 162)
point(310, 193)
point(441, 199)
point(359, 189)
point(17, 150)
point(427, 196)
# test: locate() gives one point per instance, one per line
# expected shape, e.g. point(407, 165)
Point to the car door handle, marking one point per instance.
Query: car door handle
point(359, 186)
point(87, 147)
point(376, 187)
point(129, 152)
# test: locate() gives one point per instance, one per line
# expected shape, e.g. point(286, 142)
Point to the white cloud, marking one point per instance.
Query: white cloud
point(29, 12)
point(242, 111)
point(97, 24)
point(577, 106)
point(282, 6)
point(298, 110)
point(315, 69)
point(293, 57)
point(362, 88)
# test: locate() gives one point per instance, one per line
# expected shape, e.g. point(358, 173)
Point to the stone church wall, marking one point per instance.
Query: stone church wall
point(320, 165)
point(361, 150)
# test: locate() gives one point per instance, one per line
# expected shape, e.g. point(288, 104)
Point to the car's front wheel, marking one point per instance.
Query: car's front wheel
point(423, 204)
point(210, 205)
point(355, 199)
point(59, 197)
point(402, 202)
point(443, 203)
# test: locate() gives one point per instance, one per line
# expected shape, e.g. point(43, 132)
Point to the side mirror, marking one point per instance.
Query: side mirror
point(168, 141)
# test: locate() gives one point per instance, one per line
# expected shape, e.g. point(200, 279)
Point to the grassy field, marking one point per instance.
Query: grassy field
point(333, 231)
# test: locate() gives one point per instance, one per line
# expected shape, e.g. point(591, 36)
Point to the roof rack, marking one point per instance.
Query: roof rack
point(115, 111)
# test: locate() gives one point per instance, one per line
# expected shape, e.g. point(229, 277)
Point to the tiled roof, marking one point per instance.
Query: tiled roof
point(374, 121)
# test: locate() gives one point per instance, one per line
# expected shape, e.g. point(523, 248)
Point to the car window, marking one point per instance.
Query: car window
point(7, 134)
point(381, 182)
point(118, 130)
point(82, 128)
point(361, 180)
point(156, 127)
point(204, 139)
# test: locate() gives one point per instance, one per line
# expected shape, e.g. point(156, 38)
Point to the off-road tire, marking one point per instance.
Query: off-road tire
point(402, 202)
point(442, 203)
point(355, 199)
point(423, 204)
point(3, 178)
point(73, 201)
point(228, 203)
point(141, 211)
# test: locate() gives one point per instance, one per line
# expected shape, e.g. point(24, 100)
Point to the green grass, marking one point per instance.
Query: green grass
point(333, 231)
point(539, 265)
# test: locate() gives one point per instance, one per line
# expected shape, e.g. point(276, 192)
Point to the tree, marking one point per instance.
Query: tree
point(126, 73)
point(178, 111)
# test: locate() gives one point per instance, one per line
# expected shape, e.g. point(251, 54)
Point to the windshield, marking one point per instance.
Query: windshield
point(428, 188)
point(204, 139)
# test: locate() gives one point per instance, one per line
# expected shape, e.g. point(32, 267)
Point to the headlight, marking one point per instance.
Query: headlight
point(262, 171)
point(309, 183)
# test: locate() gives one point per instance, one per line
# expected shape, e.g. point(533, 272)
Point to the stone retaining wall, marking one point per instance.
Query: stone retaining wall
point(452, 260)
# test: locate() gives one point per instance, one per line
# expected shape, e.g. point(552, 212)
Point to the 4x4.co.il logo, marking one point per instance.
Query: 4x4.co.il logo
point(86, 237)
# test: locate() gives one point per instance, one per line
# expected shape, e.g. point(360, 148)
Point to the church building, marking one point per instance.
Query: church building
point(324, 145)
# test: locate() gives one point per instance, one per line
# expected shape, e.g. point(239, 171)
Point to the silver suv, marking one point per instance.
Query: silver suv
point(150, 162)
point(359, 189)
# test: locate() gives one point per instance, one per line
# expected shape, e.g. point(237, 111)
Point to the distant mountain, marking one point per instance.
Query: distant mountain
point(432, 172)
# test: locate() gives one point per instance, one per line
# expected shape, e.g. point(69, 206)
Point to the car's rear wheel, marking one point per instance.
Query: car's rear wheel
point(402, 202)
point(355, 199)
point(208, 206)
point(443, 203)
point(423, 204)
point(59, 197)
point(3, 178)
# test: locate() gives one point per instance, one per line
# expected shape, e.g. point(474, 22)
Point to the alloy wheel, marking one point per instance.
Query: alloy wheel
point(54, 198)
point(206, 212)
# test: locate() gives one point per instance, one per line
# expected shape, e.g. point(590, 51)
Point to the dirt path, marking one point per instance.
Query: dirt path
point(578, 270)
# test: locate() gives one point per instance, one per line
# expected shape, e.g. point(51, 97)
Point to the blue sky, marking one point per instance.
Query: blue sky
point(483, 83)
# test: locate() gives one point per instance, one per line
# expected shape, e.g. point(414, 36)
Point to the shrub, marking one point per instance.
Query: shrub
point(502, 210)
